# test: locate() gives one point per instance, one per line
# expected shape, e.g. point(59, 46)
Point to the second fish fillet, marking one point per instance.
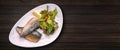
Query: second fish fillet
point(34, 36)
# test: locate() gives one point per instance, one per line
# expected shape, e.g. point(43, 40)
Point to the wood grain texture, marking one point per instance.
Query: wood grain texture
point(88, 24)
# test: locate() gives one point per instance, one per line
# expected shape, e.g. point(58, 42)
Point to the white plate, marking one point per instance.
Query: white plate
point(15, 39)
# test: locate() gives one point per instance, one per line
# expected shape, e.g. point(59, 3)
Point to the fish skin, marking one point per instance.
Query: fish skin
point(19, 30)
point(34, 36)
point(30, 26)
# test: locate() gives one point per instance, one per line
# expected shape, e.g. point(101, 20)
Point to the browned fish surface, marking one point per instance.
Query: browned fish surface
point(32, 37)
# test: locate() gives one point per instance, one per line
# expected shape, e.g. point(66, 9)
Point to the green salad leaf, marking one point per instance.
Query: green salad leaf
point(47, 20)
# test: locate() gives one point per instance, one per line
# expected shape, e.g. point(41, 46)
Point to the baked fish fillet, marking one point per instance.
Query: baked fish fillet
point(34, 36)
point(29, 30)
point(29, 27)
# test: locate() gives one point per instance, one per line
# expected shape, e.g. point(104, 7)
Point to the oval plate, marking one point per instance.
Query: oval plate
point(15, 39)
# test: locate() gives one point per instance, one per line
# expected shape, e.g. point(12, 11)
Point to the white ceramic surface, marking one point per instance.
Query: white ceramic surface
point(15, 39)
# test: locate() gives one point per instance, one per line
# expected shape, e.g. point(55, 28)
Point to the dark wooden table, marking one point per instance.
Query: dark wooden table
point(88, 24)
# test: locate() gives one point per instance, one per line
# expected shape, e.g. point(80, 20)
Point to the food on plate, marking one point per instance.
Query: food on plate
point(36, 14)
point(44, 20)
point(30, 26)
point(47, 20)
point(29, 30)
point(33, 37)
